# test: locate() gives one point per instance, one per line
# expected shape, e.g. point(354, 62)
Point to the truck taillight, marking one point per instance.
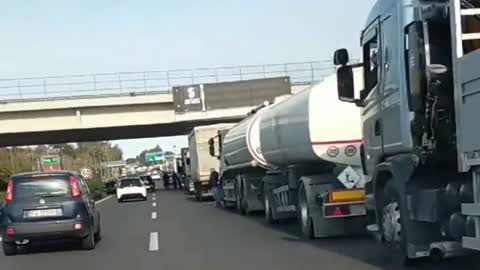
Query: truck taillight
point(349, 195)
point(75, 187)
point(9, 193)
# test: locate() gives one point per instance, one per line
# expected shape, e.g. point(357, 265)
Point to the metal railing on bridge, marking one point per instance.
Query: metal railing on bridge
point(148, 82)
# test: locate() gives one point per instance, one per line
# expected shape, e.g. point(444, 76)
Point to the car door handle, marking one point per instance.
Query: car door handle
point(378, 128)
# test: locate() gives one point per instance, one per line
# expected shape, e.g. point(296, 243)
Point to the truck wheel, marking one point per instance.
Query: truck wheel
point(306, 222)
point(241, 204)
point(391, 214)
point(9, 249)
point(268, 206)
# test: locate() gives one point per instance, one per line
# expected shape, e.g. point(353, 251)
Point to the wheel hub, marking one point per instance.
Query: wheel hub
point(392, 227)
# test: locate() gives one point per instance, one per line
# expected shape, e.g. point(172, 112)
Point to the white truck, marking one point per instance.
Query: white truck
point(419, 108)
point(299, 157)
point(200, 161)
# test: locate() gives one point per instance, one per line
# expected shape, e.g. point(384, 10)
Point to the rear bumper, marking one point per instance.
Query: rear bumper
point(131, 196)
point(46, 231)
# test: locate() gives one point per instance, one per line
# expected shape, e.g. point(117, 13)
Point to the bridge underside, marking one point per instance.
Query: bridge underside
point(110, 133)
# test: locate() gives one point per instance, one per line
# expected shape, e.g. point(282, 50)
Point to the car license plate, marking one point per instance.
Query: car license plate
point(43, 213)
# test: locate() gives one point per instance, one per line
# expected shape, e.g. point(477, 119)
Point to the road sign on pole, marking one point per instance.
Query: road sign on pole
point(87, 173)
point(50, 163)
point(50, 160)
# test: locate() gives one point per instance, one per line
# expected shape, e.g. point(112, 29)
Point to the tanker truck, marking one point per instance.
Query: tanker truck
point(419, 107)
point(298, 158)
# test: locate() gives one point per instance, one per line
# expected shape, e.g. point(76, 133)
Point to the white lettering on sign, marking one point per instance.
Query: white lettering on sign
point(192, 101)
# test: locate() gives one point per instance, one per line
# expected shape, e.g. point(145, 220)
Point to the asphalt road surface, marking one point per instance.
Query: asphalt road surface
point(171, 231)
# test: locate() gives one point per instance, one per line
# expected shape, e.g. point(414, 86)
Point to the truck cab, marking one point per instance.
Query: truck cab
point(420, 96)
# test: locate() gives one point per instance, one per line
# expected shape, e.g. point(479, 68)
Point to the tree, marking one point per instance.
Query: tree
point(73, 156)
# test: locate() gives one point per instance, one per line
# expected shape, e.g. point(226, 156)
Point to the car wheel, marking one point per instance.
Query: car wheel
point(9, 249)
point(98, 234)
point(119, 200)
point(22, 249)
point(88, 243)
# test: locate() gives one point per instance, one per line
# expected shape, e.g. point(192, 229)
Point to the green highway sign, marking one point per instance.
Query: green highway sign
point(155, 156)
point(50, 160)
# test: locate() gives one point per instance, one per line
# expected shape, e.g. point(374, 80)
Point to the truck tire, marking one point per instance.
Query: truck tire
point(306, 223)
point(391, 213)
point(242, 205)
point(268, 206)
point(9, 249)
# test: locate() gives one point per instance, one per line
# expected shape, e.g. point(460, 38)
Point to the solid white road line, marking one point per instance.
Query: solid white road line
point(153, 246)
point(154, 204)
point(104, 199)
point(154, 215)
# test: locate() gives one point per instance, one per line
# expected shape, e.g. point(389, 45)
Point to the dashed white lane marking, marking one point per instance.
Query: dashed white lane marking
point(104, 199)
point(154, 215)
point(0, 239)
point(154, 198)
point(153, 246)
point(154, 204)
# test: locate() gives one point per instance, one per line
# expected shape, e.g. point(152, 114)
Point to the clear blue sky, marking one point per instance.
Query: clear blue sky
point(52, 37)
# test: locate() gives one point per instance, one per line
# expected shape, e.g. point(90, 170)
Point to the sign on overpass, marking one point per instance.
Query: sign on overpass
point(154, 156)
point(112, 164)
point(215, 96)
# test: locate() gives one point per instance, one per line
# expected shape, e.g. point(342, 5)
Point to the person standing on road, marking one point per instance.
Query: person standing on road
point(215, 187)
point(175, 180)
point(166, 181)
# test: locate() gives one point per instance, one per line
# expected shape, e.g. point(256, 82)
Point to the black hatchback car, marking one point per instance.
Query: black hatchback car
point(47, 207)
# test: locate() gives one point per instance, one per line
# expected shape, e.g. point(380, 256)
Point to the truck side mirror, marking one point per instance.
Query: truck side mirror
point(211, 147)
point(345, 84)
point(341, 57)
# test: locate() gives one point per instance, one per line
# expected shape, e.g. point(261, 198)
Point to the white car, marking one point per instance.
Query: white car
point(131, 188)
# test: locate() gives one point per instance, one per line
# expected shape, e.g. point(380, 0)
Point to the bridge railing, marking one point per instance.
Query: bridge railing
point(146, 82)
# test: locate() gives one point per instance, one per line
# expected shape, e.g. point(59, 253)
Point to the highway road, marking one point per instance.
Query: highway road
point(171, 231)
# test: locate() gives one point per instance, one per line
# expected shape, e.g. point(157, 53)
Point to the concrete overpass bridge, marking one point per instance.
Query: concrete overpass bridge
point(57, 109)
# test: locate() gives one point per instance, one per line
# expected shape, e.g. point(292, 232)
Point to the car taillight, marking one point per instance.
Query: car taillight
point(10, 231)
point(74, 187)
point(9, 193)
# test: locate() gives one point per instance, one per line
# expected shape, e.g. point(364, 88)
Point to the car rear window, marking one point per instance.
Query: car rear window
point(133, 182)
point(40, 187)
point(146, 178)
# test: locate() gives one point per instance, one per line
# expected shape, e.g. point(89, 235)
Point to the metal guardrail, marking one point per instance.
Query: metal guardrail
point(147, 82)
